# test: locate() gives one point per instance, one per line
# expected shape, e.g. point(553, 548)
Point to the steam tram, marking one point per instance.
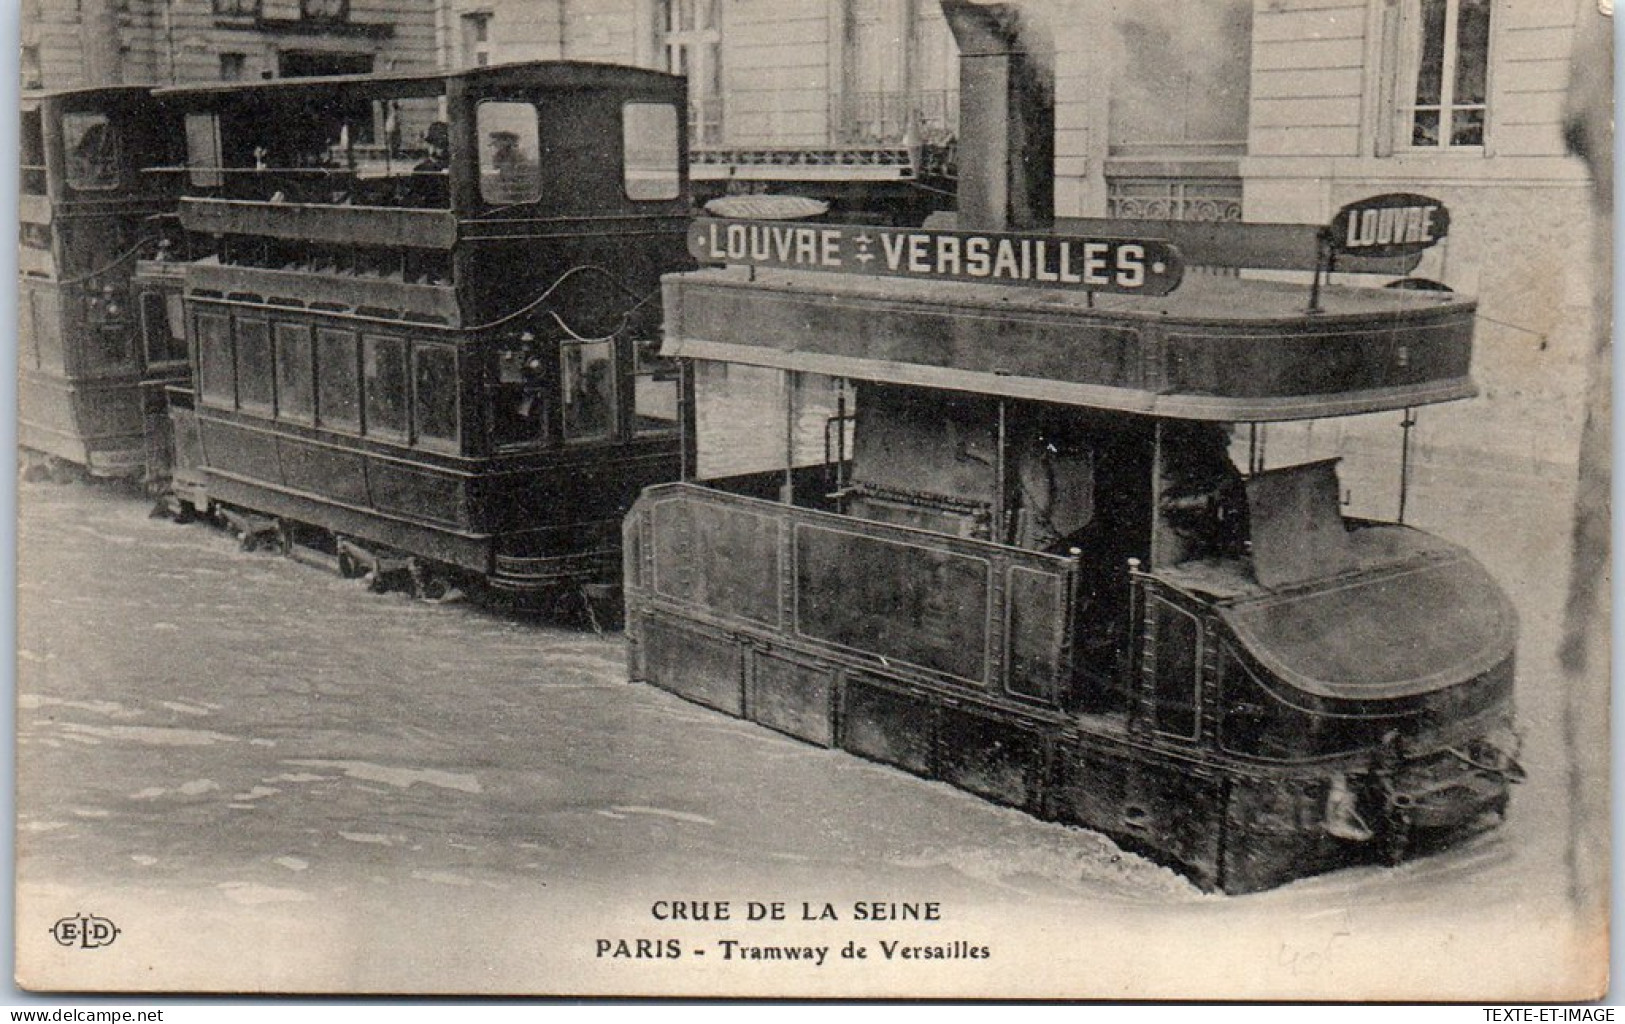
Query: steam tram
point(90, 389)
point(992, 532)
point(1037, 573)
point(423, 315)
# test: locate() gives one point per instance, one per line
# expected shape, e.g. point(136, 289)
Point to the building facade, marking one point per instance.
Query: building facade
point(1462, 100)
point(69, 43)
point(1263, 110)
point(788, 73)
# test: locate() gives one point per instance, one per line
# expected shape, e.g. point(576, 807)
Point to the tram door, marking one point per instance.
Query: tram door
point(161, 321)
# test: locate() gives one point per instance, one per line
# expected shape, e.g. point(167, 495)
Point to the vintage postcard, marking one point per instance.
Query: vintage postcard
point(849, 499)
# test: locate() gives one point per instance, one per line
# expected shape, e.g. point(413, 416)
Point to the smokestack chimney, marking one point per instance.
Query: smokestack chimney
point(1006, 117)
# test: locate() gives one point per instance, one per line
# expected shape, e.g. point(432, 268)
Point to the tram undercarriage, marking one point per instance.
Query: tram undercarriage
point(953, 659)
point(402, 556)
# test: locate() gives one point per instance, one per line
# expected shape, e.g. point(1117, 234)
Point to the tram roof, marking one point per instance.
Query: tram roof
point(1219, 348)
point(32, 98)
point(545, 74)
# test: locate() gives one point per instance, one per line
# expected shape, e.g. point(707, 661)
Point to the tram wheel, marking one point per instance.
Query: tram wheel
point(350, 566)
point(428, 583)
point(433, 587)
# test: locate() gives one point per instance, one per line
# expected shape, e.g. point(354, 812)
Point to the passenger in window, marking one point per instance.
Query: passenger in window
point(1055, 494)
point(438, 141)
point(588, 412)
point(427, 185)
point(95, 158)
point(516, 173)
point(520, 397)
point(1203, 504)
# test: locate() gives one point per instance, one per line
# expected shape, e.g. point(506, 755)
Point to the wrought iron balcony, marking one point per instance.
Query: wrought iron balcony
point(928, 117)
point(1197, 180)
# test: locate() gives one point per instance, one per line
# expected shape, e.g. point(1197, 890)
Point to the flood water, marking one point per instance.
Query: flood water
point(271, 779)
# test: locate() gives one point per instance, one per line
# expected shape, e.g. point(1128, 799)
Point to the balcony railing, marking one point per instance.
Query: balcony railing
point(928, 117)
point(1162, 199)
point(1180, 180)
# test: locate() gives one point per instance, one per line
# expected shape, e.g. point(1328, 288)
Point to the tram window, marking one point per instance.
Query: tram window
point(337, 384)
point(175, 313)
point(162, 330)
point(588, 384)
point(510, 161)
point(47, 316)
point(215, 371)
point(92, 150)
point(28, 330)
point(254, 364)
point(1054, 492)
point(649, 145)
point(203, 150)
point(520, 411)
point(654, 390)
point(383, 377)
point(32, 144)
point(295, 373)
point(113, 344)
point(434, 392)
point(1178, 666)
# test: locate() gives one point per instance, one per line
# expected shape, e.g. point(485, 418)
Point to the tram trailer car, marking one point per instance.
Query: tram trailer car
point(424, 316)
point(1035, 572)
point(90, 387)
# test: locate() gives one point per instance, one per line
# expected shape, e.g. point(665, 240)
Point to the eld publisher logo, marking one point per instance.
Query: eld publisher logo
point(84, 932)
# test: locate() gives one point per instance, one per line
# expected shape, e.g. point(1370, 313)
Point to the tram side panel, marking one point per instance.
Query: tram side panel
point(847, 632)
point(432, 440)
point(953, 658)
point(944, 656)
point(79, 394)
point(450, 361)
point(577, 410)
point(89, 205)
point(1175, 705)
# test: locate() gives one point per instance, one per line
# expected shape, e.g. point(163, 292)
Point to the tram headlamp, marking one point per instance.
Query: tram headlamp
point(531, 361)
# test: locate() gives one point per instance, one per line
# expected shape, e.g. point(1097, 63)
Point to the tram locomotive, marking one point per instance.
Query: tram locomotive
point(423, 315)
point(1024, 561)
point(90, 391)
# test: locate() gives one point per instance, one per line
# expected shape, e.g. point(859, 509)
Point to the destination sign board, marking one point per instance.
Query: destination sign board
point(1135, 266)
point(1395, 224)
